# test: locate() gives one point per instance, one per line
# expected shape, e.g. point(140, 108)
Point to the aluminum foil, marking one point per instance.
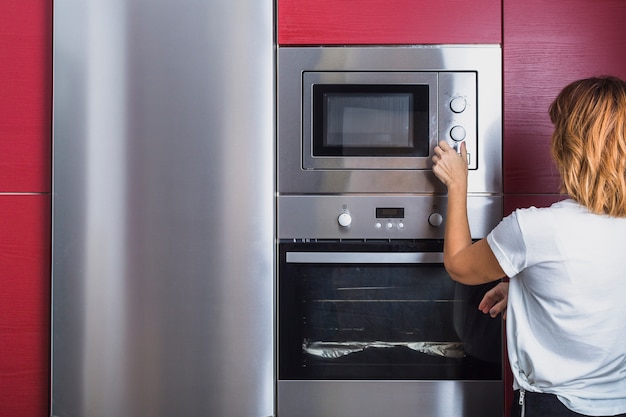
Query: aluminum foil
point(334, 350)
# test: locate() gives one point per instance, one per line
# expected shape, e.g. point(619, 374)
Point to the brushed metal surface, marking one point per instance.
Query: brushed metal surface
point(484, 60)
point(365, 257)
point(163, 208)
point(316, 216)
point(390, 398)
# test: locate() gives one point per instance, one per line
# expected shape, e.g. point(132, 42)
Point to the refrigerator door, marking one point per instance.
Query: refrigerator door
point(163, 208)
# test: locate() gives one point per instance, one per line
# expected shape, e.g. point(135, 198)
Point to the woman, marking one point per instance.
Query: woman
point(566, 316)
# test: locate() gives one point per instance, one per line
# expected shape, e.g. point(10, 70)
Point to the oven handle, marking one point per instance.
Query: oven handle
point(365, 257)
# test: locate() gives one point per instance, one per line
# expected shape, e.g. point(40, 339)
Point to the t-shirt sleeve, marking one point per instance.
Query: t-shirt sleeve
point(507, 244)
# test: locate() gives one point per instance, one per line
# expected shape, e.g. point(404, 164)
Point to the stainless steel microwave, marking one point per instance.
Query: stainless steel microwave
point(366, 119)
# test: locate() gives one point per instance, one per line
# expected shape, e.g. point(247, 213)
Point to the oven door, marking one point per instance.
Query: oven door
point(373, 320)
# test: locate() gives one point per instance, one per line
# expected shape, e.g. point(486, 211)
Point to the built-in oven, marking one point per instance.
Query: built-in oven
point(370, 323)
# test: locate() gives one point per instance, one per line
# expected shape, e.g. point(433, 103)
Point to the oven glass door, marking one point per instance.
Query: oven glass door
point(383, 310)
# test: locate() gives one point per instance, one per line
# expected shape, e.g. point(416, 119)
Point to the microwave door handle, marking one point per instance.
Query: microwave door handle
point(365, 257)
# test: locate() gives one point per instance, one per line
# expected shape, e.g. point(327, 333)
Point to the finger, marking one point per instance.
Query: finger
point(486, 307)
point(445, 146)
point(489, 299)
point(464, 150)
point(439, 151)
point(498, 308)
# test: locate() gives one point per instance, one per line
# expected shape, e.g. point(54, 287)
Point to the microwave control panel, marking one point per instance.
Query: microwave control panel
point(457, 112)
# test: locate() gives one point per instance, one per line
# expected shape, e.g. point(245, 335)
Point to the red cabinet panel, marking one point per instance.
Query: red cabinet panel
point(547, 45)
point(25, 161)
point(331, 22)
point(25, 95)
point(24, 304)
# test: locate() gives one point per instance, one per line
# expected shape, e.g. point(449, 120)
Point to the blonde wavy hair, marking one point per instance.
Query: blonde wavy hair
point(589, 143)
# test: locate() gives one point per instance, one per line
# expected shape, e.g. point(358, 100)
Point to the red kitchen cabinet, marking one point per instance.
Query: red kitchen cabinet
point(372, 22)
point(547, 45)
point(25, 95)
point(25, 185)
point(24, 304)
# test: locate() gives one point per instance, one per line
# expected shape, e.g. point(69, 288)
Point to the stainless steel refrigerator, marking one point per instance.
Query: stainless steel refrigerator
point(163, 208)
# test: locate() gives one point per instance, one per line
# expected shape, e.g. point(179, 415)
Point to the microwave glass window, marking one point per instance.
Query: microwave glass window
point(367, 120)
point(370, 120)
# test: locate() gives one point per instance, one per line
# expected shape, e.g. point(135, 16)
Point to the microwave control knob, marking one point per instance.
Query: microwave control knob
point(435, 219)
point(344, 219)
point(458, 104)
point(457, 133)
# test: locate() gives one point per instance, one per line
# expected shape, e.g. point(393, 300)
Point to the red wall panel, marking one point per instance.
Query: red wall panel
point(24, 304)
point(25, 162)
point(547, 45)
point(25, 95)
point(331, 22)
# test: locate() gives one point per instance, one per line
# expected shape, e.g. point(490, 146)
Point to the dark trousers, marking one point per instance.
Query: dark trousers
point(543, 405)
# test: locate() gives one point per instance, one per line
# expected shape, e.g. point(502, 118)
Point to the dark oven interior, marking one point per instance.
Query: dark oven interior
point(369, 320)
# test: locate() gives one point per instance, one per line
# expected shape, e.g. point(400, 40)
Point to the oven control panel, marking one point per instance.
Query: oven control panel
point(378, 217)
point(389, 218)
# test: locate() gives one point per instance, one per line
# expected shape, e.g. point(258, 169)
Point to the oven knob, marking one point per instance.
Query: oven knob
point(458, 104)
point(435, 219)
point(344, 219)
point(457, 133)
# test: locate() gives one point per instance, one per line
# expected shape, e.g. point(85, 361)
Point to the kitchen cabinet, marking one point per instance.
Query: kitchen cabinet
point(546, 46)
point(24, 304)
point(25, 185)
point(370, 22)
point(25, 95)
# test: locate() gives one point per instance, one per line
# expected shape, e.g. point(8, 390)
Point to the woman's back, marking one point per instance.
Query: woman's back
point(567, 303)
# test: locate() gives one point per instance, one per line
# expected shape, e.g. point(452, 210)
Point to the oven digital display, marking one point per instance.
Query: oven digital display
point(390, 212)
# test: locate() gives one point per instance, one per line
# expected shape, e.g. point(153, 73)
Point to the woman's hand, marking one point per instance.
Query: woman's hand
point(495, 300)
point(449, 166)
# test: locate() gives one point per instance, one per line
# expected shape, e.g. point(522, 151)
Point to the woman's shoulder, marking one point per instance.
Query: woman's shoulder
point(544, 220)
point(563, 215)
point(562, 207)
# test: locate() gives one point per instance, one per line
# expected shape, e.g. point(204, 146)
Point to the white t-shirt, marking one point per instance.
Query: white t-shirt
point(566, 317)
